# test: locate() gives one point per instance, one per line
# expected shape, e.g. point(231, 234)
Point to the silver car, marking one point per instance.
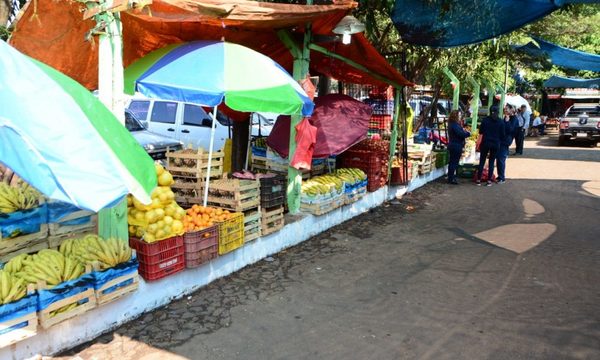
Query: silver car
point(155, 145)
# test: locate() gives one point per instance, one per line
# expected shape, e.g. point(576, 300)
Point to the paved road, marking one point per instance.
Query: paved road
point(448, 272)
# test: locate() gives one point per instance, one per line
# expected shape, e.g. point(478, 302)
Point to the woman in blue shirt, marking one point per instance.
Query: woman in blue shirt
point(456, 143)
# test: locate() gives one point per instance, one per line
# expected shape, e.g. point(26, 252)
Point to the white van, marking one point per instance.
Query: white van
point(186, 122)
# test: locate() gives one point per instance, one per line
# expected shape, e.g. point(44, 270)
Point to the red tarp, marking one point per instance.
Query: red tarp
point(56, 33)
point(341, 122)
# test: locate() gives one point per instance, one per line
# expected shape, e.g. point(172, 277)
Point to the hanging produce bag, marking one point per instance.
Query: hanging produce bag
point(306, 137)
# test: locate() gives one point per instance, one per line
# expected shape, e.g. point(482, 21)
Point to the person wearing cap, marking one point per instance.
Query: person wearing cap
point(510, 127)
point(493, 132)
point(537, 122)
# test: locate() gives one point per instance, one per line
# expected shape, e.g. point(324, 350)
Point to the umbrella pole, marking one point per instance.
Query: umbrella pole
point(210, 152)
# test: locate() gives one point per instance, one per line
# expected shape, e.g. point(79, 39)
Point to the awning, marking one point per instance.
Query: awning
point(443, 23)
point(565, 82)
point(61, 43)
point(561, 56)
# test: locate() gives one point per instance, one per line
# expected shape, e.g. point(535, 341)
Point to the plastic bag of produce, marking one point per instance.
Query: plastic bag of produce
point(306, 137)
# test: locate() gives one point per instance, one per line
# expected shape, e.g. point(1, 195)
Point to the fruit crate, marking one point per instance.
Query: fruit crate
point(201, 246)
point(194, 163)
point(272, 220)
point(355, 194)
point(252, 225)
point(381, 122)
point(273, 185)
point(234, 194)
point(77, 221)
point(28, 243)
point(322, 207)
point(398, 175)
point(23, 231)
point(371, 163)
point(441, 159)
point(55, 240)
point(159, 259)
point(79, 291)
point(231, 233)
point(272, 200)
point(18, 320)
point(259, 163)
point(114, 283)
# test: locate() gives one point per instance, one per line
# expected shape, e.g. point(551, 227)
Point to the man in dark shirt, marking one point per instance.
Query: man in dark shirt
point(510, 127)
point(492, 130)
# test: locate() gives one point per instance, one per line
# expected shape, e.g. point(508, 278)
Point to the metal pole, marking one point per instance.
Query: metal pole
point(475, 115)
point(456, 90)
point(394, 139)
point(210, 152)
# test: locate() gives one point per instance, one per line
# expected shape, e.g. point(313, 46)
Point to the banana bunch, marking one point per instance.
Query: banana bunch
point(351, 175)
point(11, 288)
point(21, 197)
point(94, 250)
point(47, 265)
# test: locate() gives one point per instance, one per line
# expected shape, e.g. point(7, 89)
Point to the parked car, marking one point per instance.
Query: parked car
point(188, 123)
point(155, 145)
point(580, 122)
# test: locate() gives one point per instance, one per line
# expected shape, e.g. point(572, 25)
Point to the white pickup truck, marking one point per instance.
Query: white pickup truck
point(580, 122)
point(185, 122)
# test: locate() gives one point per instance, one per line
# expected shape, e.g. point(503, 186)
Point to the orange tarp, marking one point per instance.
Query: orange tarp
point(56, 34)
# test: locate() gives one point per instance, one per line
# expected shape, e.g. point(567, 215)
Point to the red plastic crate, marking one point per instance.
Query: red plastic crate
point(369, 162)
point(159, 251)
point(382, 122)
point(162, 269)
point(201, 246)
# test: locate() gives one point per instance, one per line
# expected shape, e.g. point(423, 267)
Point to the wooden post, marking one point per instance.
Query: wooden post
point(112, 222)
point(301, 56)
point(456, 88)
point(394, 137)
point(475, 115)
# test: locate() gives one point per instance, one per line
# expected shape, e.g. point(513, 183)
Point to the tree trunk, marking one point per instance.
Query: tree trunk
point(5, 11)
point(239, 148)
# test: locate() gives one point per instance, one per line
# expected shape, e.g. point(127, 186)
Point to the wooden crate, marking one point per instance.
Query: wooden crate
point(60, 228)
point(27, 323)
point(252, 225)
point(197, 164)
point(272, 220)
point(234, 194)
point(47, 320)
point(23, 243)
point(133, 280)
point(259, 163)
point(322, 207)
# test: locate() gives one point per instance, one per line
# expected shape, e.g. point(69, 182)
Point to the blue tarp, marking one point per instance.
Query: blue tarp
point(561, 56)
point(443, 23)
point(564, 82)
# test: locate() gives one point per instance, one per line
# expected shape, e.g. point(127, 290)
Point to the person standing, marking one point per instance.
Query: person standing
point(523, 117)
point(456, 143)
point(492, 130)
point(511, 125)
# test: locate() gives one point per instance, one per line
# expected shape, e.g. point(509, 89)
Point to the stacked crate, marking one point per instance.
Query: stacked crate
point(371, 163)
point(201, 246)
point(159, 259)
point(189, 168)
point(272, 200)
point(240, 196)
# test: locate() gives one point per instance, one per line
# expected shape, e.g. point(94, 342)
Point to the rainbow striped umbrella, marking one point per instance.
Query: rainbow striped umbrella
point(63, 141)
point(208, 73)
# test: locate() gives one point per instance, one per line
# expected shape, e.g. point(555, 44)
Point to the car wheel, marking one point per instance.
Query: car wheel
point(562, 141)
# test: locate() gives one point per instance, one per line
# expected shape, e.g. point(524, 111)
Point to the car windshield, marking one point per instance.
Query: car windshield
point(590, 111)
point(132, 123)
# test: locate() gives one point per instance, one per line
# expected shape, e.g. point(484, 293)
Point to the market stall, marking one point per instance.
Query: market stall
point(193, 232)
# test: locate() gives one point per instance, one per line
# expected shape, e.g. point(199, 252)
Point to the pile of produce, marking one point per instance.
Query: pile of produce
point(160, 220)
point(11, 287)
point(19, 197)
point(47, 265)
point(201, 217)
point(323, 185)
point(95, 251)
point(351, 176)
point(179, 162)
